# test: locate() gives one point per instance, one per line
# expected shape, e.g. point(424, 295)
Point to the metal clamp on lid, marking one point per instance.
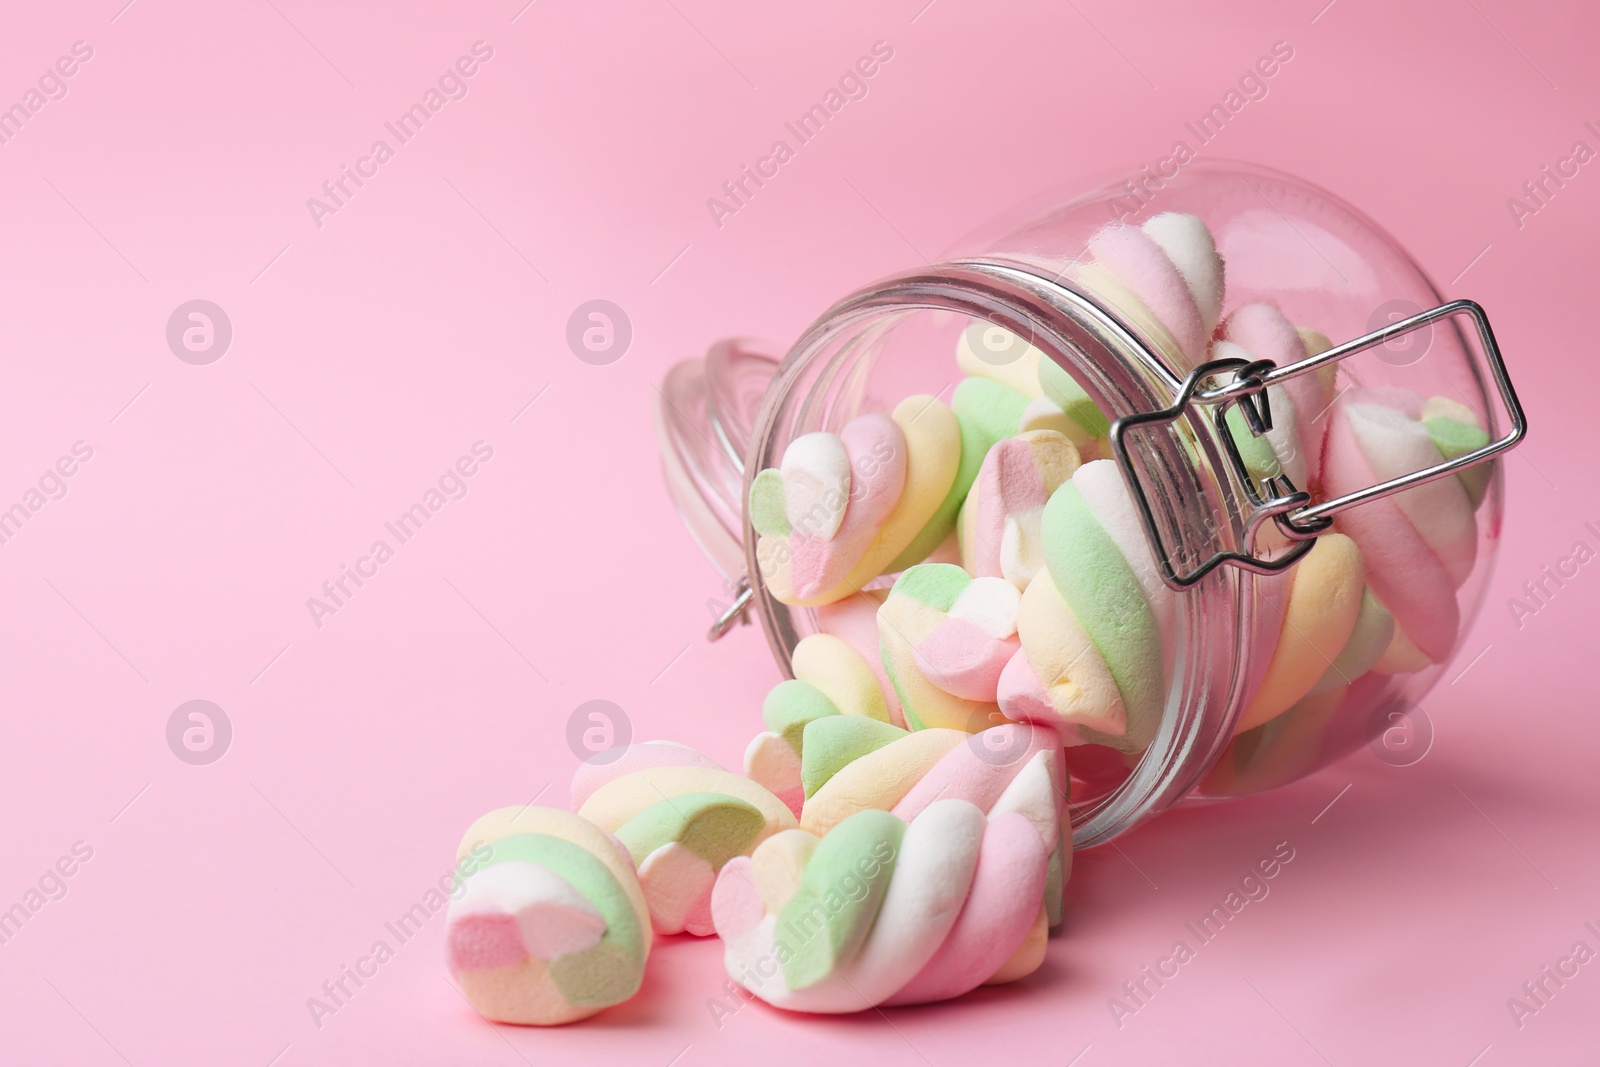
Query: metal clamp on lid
point(1288, 506)
point(734, 612)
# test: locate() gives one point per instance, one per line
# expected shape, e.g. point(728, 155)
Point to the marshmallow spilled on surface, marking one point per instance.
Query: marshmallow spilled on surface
point(551, 928)
point(882, 910)
point(680, 817)
point(899, 835)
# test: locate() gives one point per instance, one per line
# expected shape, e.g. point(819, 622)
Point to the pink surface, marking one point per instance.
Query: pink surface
point(371, 352)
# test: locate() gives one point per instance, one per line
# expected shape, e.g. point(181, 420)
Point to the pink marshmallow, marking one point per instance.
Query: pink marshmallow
point(963, 660)
point(1002, 905)
point(1406, 401)
point(735, 902)
point(699, 921)
point(966, 773)
point(1264, 332)
point(1141, 264)
point(1008, 488)
point(1023, 698)
point(591, 774)
point(484, 941)
point(1395, 443)
point(1407, 576)
point(877, 452)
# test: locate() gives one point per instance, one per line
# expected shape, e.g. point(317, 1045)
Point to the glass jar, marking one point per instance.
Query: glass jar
point(1184, 398)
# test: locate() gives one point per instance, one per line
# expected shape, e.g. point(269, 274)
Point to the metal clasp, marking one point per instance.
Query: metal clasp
point(735, 612)
point(1278, 499)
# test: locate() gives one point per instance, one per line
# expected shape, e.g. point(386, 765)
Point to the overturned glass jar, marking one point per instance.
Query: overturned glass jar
point(1226, 440)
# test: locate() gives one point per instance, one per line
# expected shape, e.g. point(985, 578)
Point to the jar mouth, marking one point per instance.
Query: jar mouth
point(821, 382)
point(704, 420)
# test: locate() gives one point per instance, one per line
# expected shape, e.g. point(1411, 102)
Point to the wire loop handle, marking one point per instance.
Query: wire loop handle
point(1278, 499)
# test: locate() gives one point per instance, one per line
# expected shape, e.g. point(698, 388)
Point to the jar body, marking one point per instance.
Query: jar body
point(1078, 284)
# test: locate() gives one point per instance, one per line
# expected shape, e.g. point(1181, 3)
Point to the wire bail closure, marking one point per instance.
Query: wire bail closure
point(734, 613)
point(1278, 498)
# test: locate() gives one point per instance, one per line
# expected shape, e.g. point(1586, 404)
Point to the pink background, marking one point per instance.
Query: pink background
point(370, 353)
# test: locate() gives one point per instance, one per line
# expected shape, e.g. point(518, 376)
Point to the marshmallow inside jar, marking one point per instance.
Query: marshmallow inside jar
point(927, 479)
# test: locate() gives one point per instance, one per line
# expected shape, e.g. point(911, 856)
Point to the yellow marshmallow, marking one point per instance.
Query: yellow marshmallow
point(527, 819)
point(933, 453)
point(1324, 602)
point(1127, 305)
point(1068, 664)
point(620, 799)
point(777, 866)
point(841, 674)
point(879, 779)
point(1020, 372)
point(1029, 955)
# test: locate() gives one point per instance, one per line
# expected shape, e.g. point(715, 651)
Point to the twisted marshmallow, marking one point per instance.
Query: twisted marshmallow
point(882, 911)
point(552, 926)
point(680, 817)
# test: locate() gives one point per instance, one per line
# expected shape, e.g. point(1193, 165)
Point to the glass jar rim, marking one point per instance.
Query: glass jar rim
point(1123, 375)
